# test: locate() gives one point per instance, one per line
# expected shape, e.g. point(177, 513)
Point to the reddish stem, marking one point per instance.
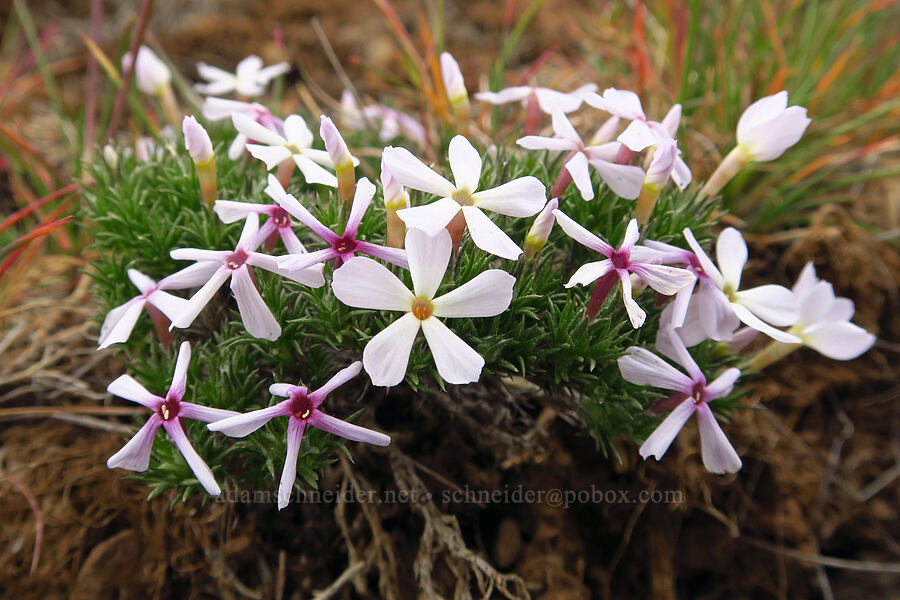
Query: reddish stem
point(602, 288)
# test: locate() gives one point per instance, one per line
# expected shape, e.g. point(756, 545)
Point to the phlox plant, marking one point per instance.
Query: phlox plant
point(459, 305)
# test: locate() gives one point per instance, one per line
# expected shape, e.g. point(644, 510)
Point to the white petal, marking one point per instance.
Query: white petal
point(271, 155)
point(313, 172)
point(127, 387)
point(774, 304)
point(428, 259)
point(119, 323)
point(622, 103)
point(715, 312)
point(245, 424)
point(632, 234)
point(411, 172)
point(748, 318)
point(395, 256)
point(430, 218)
point(769, 140)
point(211, 73)
point(623, 180)
point(189, 277)
point(298, 211)
point(815, 303)
point(283, 389)
point(465, 162)
point(552, 101)
point(521, 197)
point(635, 313)
point(140, 281)
point(486, 295)
point(681, 174)
point(386, 355)
point(839, 341)
point(842, 309)
point(216, 109)
point(189, 410)
point(310, 275)
point(363, 283)
point(365, 191)
point(582, 235)
point(337, 380)
point(638, 136)
point(487, 236)
point(563, 128)
point(663, 436)
point(718, 453)
point(537, 142)
point(590, 273)
point(248, 233)
point(295, 263)
point(731, 254)
point(510, 94)
point(197, 464)
point(663, 279)
point(708, 267)
point(761, 111)
point(296, 132)
point(806, 281)
point(577, 166)
point(256, 316)
point(214, 256)
point(455, 360)
point(671, 345)
point(723, 384)
point(642, 367)
point(348, 431)
point(256, 132)
point(229, 211)
point(179, 376)
point(289, 472)
point(135, 455)
point(681, 303)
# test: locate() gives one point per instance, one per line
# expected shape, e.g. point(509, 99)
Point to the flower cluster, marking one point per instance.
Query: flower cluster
point(422, 241)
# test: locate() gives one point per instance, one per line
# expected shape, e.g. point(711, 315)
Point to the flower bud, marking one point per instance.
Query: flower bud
point(198, 144)
point(540, 230)
point(342, 159)
point(150, 73)
point(456, 90)
point(395, 198)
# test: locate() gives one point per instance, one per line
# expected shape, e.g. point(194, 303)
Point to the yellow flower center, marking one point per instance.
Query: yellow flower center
point(422, 308)
point(463, 197)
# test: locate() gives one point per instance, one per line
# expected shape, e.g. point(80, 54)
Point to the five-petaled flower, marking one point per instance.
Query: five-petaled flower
point(692, 396)
point(168, 413)
point(624, 180)
point(219, 265)
point(249, 79)
point(302, 410)
point(618, 264)
point(547, 100)
point(364, 283)
point(520, 197)
point(217, 109)
point(342, 247)
point(296, 143)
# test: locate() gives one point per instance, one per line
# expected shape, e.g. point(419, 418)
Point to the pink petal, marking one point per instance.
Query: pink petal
point(256, 132)
point(365, 191)
point(671, 345)
point(659, 441)
point(200, 299)
point(395, 256)
point(298, 211)
point(363, 283)
point(582, 235)
point(245, 424)
point(179, 377)
point(632, 234)
point(126, 387)
point(718, 453)
point(348, 431)
point(256, 316)
point(486, 295)
point(135, 455)
point(201, 470)
point(723, 384)
point(207, 414)
point(295, 263)
point(289, 473)
point(455, 360)
point(642, 367)
point(663, 279)
point(386, 355)
point(428, 258)
point(284, 389)
point(337, 380)
point(488, 236)
point(708, 267)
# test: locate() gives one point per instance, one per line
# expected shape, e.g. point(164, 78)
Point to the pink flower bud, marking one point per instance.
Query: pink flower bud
point(662, 164)
point(197, 141)
point(150, 73)
point(540, 230)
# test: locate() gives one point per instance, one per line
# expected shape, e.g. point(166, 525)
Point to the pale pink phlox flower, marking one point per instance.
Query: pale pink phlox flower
point(364, 283)
point(296, 143)
point(219, 265)
point(619, 263)
point(168, 413)
point(217, 109)
point(548, 100)
point(302, 410)
point(393, 122)
point(624, 180)
point(120, 321)
point(692, 395)
point(341, 247)
point(249, 79)
point(522, 197)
